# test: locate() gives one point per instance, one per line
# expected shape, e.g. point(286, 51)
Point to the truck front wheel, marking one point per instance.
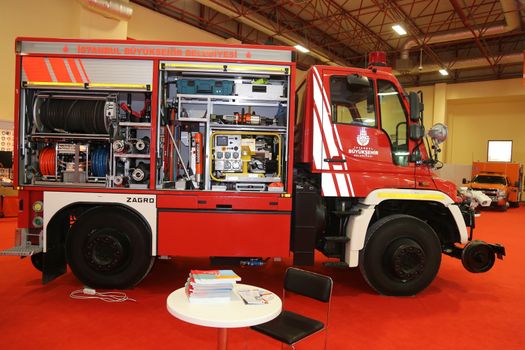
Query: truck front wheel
point(401, 256)
point(109, 248)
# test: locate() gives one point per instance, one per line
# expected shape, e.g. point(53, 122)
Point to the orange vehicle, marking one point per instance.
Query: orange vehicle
point(502, 182)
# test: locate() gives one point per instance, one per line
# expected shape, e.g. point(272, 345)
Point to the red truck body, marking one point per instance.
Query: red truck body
point(129, 150)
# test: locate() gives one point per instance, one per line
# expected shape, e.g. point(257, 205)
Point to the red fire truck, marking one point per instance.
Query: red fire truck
point(131, 150)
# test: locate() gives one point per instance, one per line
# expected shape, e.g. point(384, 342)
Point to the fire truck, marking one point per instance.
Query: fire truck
point(132, 150)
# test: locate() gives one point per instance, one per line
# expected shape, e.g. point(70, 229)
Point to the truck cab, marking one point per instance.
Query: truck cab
point(366, 193)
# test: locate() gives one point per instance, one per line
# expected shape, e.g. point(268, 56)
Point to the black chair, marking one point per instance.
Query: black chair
point(290, 327)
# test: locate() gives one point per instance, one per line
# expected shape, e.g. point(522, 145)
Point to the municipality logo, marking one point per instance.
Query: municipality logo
point(363, 139)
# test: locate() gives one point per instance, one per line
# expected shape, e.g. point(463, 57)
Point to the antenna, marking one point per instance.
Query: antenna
point(420, 68)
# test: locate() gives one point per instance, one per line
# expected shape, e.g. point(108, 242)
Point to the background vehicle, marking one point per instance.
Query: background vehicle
point(130, 150)
point(502, 182)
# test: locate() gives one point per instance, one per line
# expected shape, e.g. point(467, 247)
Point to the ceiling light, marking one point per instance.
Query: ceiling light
point(443, 71)
point(301, 48)
point(399, 30)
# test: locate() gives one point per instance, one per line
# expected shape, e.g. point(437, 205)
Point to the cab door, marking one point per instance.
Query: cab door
point(369, 145)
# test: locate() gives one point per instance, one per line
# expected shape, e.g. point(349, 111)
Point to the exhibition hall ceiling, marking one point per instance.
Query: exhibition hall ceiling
point(469, 39)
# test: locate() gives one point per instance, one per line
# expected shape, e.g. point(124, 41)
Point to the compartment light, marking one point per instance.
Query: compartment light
point(399, 30)
point(443, 71)
point(301, 48)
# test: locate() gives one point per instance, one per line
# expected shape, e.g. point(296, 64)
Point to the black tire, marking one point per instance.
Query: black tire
point(514, 204)
point(38, 261)
point(109, 248)
point(401, 255)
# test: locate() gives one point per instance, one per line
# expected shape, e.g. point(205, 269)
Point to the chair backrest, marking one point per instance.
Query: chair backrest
point(309, 284)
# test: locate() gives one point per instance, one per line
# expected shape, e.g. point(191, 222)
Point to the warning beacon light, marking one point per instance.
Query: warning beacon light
point(377, 59)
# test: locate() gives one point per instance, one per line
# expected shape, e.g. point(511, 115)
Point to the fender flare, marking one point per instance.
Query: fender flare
point(56, 202)
point(357, 226)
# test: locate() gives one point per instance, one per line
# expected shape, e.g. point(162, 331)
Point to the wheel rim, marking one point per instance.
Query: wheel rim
point(478, 257)
point(106, 250)
point(405, 260)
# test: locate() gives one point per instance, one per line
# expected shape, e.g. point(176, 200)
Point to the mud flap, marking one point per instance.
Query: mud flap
point(54, 264)
point(54, 259)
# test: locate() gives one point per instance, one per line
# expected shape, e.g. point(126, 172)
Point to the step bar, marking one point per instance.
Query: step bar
point(25, 244)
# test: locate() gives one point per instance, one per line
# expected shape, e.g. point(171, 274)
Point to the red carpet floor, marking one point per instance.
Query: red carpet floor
point(459, 310)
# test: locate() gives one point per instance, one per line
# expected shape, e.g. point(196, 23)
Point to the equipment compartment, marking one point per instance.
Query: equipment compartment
point(212, 140)
point(85, 138)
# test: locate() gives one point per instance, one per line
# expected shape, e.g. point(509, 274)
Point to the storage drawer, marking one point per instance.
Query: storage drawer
point(259, 91)
point(216, 233)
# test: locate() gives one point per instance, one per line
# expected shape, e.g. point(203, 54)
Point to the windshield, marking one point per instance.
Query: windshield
point(489, 179)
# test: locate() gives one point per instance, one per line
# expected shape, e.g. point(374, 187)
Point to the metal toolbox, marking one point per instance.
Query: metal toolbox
point(259, 91)
point(211, 87)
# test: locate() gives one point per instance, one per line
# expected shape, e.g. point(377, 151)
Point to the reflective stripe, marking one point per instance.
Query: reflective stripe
point(53, 83)
point(410, 196)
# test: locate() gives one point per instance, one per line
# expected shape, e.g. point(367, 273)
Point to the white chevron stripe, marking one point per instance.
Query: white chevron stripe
point(328, 186)
point(333, 151)
point(329, 130)
point(343, 188)
point(318, 148)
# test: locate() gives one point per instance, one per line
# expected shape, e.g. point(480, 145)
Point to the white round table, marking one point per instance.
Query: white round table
point(231, 314)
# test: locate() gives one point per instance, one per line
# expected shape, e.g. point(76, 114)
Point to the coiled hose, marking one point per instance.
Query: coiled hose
point(47, 161)
point(80, 116)
point(99, 161)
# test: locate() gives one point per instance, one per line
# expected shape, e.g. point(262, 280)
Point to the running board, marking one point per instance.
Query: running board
point(20, 250)
point(25, 243)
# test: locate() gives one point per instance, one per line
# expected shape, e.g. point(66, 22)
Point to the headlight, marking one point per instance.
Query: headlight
point(502, 193)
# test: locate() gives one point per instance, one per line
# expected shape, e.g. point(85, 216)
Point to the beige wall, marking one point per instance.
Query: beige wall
point(30, 18)
point(475, 113)
point(475, 121)
point(150, 25)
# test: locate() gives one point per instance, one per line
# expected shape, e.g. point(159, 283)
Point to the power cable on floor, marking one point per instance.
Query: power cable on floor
point(109, 297)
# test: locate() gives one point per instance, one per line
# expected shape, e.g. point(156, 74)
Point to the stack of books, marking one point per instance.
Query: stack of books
point(210, 286)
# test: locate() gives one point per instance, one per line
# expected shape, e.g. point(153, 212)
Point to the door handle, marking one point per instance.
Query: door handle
point(334, 160)
point(423, 183)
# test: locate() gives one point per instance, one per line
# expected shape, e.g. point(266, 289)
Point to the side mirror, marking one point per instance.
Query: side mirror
point(415, 156)
point(464, 181)
point(417, 132)
point(359, 80)
point(517, 184)
point(416, 107)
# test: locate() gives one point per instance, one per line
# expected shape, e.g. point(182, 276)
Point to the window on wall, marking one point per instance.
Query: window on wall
point(353, 100)
point(499, 151)
point(393, 120)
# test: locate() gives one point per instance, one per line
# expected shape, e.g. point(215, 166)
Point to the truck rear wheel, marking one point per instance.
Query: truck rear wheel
point(514, 204)
point(109, 248)
point(401, 256)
